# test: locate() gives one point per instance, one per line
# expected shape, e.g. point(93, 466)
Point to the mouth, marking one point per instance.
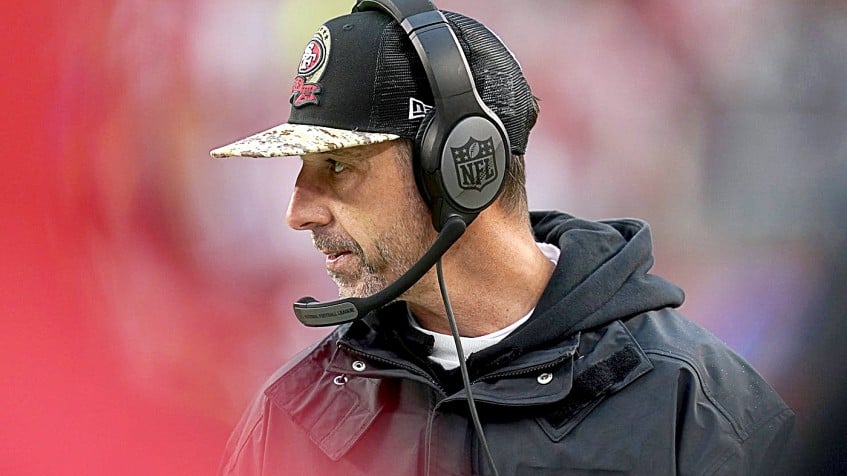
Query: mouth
point(335, 255)
point(343, 256)
point(336, 260)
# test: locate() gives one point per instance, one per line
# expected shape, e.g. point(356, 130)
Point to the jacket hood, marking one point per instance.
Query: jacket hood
point(602, 276)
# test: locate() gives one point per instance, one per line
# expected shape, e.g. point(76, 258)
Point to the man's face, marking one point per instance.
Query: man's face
point(365, 214)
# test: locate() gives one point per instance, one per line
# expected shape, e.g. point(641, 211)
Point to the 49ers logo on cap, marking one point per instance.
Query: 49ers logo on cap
point(306, 88)
point(313, 57)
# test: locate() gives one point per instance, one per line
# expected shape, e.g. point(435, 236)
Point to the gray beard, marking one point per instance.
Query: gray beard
point(396, 252)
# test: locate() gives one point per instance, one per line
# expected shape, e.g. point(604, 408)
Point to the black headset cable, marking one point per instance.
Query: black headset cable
point(463, 367)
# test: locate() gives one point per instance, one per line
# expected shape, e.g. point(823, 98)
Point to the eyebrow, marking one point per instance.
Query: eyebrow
point(348, 154)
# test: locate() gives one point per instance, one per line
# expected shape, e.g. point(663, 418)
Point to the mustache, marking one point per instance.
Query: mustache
point(331, 241)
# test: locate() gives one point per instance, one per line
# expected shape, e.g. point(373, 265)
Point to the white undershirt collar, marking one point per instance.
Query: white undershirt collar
point(444, 348)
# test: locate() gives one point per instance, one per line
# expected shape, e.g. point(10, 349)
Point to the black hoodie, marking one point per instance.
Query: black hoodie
point(601, 277)
point(604, 378)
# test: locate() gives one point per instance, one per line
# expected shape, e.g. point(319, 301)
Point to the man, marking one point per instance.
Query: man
point(576, 360)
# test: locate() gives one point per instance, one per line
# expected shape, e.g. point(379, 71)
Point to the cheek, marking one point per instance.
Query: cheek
point(382, 209)
point(396, 224)
point(386, 212)
point(362, 224)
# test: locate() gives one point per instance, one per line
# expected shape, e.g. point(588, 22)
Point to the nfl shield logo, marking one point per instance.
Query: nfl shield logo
point(475, 164)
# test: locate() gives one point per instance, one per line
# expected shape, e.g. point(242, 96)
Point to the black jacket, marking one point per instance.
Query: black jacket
point(605, 378)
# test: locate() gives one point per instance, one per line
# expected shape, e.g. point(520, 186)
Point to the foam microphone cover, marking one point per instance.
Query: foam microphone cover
point(306, 300)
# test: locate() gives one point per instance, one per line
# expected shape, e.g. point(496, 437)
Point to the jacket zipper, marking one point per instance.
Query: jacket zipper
point(402, 365)
point(430, 419)
point(437, 386)
point(528, 370)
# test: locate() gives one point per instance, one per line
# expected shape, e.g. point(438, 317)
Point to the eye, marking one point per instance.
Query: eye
point(336, 166)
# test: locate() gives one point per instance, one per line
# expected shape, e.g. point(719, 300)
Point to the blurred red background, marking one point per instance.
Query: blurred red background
point(146, 288)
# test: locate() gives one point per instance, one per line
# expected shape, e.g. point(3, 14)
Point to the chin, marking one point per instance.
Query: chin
point(354, 291)
point(360, 290)
point(344, 294)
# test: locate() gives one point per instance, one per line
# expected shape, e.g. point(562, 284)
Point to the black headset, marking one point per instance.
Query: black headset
point(461, 153)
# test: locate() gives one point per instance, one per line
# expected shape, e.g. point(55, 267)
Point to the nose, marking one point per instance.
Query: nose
point(307, 207)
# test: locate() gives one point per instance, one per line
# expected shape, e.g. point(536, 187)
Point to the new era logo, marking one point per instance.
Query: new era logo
point(417, 109)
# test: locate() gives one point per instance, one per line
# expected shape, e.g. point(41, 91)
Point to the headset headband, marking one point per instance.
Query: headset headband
point(460, 122)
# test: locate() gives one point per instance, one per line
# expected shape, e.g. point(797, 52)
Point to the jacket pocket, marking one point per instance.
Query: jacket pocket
point(346, 417)
point(334, 410)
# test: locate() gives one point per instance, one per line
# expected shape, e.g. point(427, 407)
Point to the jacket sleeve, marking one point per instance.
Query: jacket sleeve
point(246, 437)
point(769, 450)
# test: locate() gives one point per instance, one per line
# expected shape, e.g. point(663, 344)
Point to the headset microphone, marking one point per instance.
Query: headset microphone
point(312, 313)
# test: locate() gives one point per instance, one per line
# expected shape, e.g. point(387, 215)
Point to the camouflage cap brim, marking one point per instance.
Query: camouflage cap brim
point(298, 139)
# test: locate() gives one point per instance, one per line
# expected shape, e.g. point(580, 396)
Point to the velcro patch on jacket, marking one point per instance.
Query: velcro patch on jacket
point(594, 382)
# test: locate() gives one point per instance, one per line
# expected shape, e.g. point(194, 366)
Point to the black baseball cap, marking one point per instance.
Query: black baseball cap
point(360, 82)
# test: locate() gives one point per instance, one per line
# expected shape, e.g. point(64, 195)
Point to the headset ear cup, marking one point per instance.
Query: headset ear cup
point(466, 178)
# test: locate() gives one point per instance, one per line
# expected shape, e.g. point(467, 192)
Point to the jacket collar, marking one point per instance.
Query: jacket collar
point(595, 363)
point(589, 365)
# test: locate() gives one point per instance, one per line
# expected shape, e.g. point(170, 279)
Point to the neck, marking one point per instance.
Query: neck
point(494, 275)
